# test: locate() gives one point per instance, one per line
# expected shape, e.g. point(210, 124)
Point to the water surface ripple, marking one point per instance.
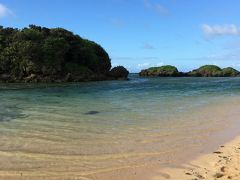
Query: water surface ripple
point(92, 127)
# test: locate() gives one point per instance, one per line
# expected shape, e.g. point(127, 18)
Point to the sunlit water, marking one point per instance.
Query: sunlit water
point(86, 128)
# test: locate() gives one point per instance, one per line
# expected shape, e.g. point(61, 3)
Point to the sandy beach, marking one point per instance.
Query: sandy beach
point(224, 163)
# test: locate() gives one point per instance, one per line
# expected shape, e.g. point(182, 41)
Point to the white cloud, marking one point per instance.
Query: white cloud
point(143, 65)
point(158, 8)
point(147, 65)
point(220, 30)
point(4, 11)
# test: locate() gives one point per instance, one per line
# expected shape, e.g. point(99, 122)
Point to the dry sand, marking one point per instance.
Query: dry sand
point(221, 164)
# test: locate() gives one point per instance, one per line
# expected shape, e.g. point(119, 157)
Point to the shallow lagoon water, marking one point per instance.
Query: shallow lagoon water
point(86, 128)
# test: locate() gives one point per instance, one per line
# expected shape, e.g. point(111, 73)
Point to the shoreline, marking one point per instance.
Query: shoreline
point(220, 164)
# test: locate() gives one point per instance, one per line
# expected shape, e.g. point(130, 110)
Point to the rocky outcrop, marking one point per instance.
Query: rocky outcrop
point(213, 71)
point(40, 54)
point(119, 73)
point(204, 71)
point(162, 71)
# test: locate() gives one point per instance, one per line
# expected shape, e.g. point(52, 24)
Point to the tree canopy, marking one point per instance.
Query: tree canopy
point(203, 71)
point(45, 52)
point(214, 71)
point(166, 70)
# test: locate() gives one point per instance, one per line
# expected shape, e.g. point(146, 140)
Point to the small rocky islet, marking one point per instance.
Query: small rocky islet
point(40, 54)
point(203, 71)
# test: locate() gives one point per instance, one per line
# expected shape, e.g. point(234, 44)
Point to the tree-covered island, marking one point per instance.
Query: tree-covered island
point(204, 71)
point(40, 54)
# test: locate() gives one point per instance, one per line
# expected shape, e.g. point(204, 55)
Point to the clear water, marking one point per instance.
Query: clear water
point(86, 128)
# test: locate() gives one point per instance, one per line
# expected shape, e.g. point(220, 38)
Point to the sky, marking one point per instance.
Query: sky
point(142, 33)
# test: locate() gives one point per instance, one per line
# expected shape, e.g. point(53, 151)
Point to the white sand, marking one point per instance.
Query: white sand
point(221, 164)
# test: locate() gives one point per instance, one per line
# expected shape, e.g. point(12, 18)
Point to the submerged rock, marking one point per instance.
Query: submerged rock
point(92, 112)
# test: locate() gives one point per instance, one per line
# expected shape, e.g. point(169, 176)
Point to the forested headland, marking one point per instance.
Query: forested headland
point(40, 54)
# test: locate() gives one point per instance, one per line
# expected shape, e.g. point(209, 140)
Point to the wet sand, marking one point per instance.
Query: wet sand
point(224, 163)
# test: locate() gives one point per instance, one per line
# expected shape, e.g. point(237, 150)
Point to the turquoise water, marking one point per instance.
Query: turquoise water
point(98, 126)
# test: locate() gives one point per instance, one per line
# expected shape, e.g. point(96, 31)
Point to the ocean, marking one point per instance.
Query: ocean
point(88, 128)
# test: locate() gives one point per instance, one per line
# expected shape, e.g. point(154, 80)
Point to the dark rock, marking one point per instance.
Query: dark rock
point(119, 72)
point(5, 77)
point(92, 112)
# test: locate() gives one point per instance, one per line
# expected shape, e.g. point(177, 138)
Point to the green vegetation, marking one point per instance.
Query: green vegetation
point(214, 71)
point(40, 54)
point(207, 71)
point(204, 71)
point(229, 72)
point(160, 71)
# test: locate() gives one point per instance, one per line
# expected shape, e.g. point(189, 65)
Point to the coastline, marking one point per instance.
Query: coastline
point(220, 164)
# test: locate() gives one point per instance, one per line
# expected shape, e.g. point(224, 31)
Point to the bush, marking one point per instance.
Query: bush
point(229, 72)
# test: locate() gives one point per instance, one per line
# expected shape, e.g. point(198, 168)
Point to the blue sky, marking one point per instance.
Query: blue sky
point(142, 33)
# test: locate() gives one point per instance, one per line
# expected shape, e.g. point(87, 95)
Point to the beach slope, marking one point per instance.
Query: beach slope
point(223, 163)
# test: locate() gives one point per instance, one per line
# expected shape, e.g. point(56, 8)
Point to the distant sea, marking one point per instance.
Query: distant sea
point(92, 127)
